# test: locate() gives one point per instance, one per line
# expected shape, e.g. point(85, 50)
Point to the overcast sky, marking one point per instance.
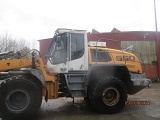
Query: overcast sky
point(38, 19)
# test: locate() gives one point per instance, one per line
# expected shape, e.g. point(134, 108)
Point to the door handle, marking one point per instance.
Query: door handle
point(63, 69)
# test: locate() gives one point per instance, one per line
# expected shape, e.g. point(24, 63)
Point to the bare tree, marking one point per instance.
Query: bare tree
point(8, 43)
point(34, 44)
point(23, 46)
point(5, 42)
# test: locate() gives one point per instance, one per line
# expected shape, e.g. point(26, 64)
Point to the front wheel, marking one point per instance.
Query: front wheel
point(108, 95)
point(19, 98)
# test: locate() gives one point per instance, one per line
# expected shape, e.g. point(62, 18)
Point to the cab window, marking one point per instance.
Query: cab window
point(77, 46)
point(102, 56)
point(60, 52)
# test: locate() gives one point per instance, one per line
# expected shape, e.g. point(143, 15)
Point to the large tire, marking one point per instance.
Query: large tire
point(19, 98)
point(108, 95)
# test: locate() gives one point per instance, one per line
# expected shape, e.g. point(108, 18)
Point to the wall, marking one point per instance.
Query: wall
point(150, 71)
point(44, 45)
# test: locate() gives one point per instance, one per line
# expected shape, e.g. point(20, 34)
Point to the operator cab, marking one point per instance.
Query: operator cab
point(68, 51)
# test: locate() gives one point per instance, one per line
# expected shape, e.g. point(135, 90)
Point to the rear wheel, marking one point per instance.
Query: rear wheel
point(108, 95)
point(19, 98)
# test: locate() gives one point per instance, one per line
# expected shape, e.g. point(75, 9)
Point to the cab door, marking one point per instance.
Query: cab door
point(78, 52)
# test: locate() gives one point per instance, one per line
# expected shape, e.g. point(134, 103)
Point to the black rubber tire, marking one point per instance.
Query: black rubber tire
point(96, 95)
point(19, 98)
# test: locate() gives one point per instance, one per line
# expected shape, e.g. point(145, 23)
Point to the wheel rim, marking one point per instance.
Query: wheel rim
point(17, 100)
point(110, 96)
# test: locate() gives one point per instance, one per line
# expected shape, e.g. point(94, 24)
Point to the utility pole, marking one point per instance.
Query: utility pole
point(155, 16)
point(157, 40)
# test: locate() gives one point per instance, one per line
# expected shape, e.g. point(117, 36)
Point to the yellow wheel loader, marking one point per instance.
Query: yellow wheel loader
point(74, 68)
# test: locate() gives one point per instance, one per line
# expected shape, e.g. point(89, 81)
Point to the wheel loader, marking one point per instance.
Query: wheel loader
point(75, 68)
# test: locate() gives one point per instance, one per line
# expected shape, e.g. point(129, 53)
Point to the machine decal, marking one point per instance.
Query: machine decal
point(125, 58)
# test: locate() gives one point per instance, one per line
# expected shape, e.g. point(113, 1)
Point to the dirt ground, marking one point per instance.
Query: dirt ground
point(63, 108)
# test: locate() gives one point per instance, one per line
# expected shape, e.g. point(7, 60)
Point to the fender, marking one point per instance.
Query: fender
point(36, 73)
point(110, 70)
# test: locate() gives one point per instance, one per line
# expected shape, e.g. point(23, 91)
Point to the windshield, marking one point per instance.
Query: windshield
point(58, 49)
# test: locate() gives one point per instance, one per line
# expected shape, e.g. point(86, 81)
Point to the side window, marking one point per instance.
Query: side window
point(102, 56)
point(77, 46)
